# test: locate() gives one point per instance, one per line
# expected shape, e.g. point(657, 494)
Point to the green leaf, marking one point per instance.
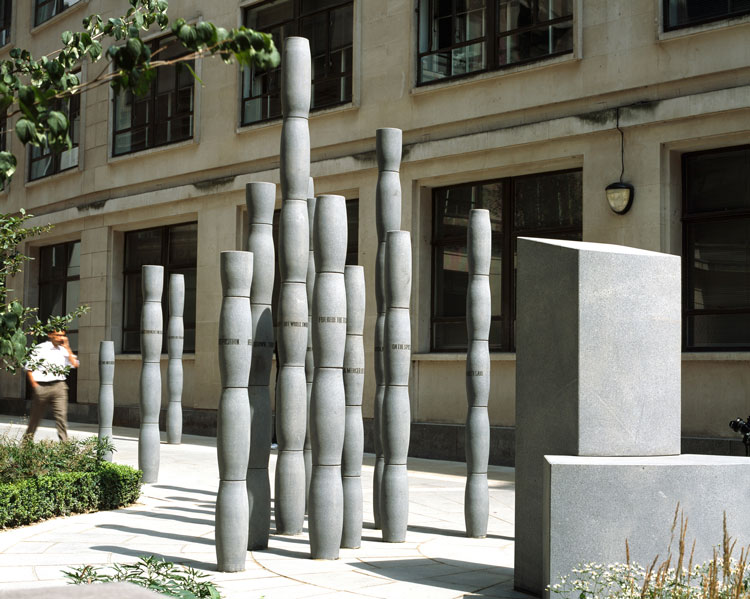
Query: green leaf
point(57, 122)
point(67, 37)
point(25, 130)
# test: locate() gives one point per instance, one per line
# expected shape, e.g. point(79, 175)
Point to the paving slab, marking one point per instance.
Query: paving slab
point(174, 519)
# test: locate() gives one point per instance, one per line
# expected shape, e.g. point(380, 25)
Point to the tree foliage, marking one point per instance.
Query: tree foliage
point(36, 88)
point(20, 325)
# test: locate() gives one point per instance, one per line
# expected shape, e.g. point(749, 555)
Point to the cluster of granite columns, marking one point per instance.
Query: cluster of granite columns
point(318, 331)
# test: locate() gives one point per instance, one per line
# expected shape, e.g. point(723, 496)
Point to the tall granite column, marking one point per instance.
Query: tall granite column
point(327, 401)
point(387, 218)
point(354, 381)
point(175, 342)
point(396, 419)
point(152, 322)
point(260, 199)
point(309, 359)
point(478, 316)
point(233, 417)
point(291, 387)
point(106, 392)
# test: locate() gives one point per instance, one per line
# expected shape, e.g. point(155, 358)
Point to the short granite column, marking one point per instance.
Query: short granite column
point(106, 392)
point(598, 356)
point(309, 359)
point(354, 381)
point(260, 199)
point(291, 387)
point(394, 492)
point(175, 343)
point(387, 218)
point(478, 317)
point(327, 400)
point(152, 323)
point(233, 417)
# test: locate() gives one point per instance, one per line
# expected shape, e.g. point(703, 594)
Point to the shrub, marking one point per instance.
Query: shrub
point(29, 458)
point(152, 573)
point(41, 497)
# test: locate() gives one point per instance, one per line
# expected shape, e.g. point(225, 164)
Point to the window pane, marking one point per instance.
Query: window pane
point(142, 247)
point(717, 181)
point(51, 300)
point(452, 336)
point(548, 201)
point(683, 13)
point(72, 294)
point(53, 260)
point(452, 206)
point(719, 265)
point(718, 331)
point(268, 14)
point(183, 244)
point(133, 298)
point(74, 262)
point(352, 218)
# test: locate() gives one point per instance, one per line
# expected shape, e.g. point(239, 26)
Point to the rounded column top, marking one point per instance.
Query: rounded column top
point(388, 149)
point(176, 294)
point(479, 241)
point(260, 199)
point(106, 351)
point(152, 282)
point(236, 273)
point(296, 78)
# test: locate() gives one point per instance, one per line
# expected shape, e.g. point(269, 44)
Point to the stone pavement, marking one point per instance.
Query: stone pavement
point(175, 517)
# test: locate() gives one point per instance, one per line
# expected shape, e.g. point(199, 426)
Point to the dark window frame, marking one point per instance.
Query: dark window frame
point(491, 39)
point(690, 218)
point(150, 100)
point(6, 21)
point(271, 79)
point(71, 106)
point(135, 274)
point(57, 280)
point(729, 14)
point(62, 281)
point(507, 241)
point(58, 6)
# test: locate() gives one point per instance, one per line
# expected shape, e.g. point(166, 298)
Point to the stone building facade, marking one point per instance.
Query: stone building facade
point(527, 107)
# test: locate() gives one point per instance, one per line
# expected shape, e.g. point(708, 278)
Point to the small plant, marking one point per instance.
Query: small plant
point(152, 573)
point(722, 577)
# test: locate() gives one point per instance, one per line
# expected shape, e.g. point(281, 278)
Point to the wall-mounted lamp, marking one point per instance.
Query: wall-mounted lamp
point(619, 194)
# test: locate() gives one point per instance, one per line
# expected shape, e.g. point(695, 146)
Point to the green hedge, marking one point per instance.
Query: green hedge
point(42, 497)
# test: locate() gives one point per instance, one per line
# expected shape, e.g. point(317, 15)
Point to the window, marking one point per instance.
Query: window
point(352, 244)
point(59, 283)
point(685, 13)
point(174, 247)
point(44, 10)
point(6, 13)
point(460, 37)
point(328, 24)
point(716, 249)
point(44, 162)
point(163, 115)
point(541, 205)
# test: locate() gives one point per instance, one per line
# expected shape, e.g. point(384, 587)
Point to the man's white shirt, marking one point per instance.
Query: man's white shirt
point(52, 356)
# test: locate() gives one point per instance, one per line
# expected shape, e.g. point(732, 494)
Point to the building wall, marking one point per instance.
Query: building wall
point(675, 92)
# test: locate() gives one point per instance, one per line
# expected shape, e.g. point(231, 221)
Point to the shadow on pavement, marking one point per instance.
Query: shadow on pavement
point(158, 533)
point(179, 508)
point(444, 573)
point(176, 559)
point(184, 489)
point(451, 533)
point(173, 517)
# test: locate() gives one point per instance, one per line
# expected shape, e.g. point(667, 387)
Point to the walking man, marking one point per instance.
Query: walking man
point(48, 385)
